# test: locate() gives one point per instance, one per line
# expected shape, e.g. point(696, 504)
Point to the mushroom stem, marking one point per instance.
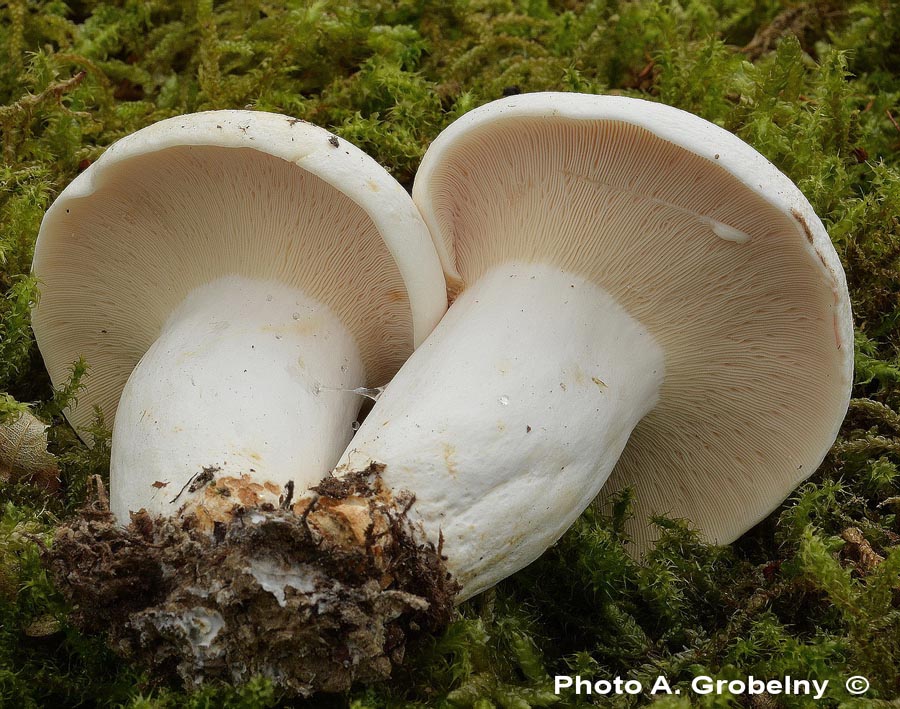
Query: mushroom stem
point(507, 421)
point(246, 377)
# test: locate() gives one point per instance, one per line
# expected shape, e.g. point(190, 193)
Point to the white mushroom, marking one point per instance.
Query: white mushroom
point(230, 278)
point(641, 295)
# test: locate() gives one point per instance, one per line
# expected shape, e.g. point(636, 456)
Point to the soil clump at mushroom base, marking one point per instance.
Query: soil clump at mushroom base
point(314, 596)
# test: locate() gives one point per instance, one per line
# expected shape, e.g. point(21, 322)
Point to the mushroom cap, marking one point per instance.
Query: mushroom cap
point(194, 198)
point(705, 243)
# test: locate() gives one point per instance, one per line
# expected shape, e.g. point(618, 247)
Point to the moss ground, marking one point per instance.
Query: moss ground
point(813, 591)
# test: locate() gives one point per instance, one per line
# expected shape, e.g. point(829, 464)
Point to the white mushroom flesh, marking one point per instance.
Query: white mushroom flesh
point(247, 377)
point(509, 418)
point(138, 253)
point(701, 240)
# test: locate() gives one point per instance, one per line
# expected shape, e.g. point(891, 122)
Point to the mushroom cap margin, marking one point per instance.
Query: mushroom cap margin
point(281, 144)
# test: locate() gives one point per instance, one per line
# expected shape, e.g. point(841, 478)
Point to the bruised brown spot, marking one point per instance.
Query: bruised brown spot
point(272, 487)
point(222, 497)
point(159, 484)
point(801, 220)
point(516, 541)
point(397, 295)
point(301, 506)
point(243, 488)
point(344, 523)
point(450, 459)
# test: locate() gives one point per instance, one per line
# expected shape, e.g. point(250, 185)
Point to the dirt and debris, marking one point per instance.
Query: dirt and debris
point(203, 479)
point(315, 597)
point(858, 550)
point(194, 483)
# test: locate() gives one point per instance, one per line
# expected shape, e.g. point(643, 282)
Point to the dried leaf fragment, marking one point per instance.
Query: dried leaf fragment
point(23, 452)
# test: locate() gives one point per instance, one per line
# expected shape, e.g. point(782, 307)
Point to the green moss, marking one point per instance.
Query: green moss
point(814, 85)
